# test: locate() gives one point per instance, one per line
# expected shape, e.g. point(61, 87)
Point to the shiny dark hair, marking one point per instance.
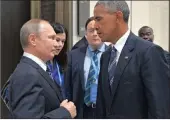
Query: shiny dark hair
point(61, 58)
point(88, 21)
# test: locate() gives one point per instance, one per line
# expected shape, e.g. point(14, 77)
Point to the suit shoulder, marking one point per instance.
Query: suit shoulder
point(80, 43)
point(24, 73)
point(144, 45)
point(78, 51)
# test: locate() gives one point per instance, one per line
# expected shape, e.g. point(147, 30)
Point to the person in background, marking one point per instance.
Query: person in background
point(147, 33)
point(82, 73)
point(133, 81)
point(84, 43)
point(32, 92)
point(57, 66)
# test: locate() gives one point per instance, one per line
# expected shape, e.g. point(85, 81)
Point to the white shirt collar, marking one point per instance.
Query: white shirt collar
point(37, 60)
point(101, 48)
point(121, 42)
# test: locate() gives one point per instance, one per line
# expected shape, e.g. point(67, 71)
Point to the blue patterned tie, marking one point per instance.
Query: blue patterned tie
point(112, 65)
point(92, 77)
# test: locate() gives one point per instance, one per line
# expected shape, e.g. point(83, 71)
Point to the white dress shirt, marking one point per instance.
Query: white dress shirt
point(120, 44)
point(37, 60)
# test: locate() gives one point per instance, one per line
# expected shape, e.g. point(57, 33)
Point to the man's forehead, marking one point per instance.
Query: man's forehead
point(99, 9)
point(91, 23)
point(47, 28)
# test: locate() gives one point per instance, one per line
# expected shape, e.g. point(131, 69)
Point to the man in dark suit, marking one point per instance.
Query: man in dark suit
point(82, 73)
point(133, 80)
point(32, 93)
point(147, 33)
point(81, 43)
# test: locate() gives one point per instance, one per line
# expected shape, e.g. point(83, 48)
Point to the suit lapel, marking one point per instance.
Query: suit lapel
point(81, 64)
point(53, 85)
point(45, 75)
point(123, 61)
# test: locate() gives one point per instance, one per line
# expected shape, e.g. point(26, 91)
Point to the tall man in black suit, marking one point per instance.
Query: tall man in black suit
point(133, 80)
point(32, 93)
point(147, 33)
point(82, 73)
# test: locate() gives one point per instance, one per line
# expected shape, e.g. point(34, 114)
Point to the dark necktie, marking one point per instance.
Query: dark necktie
point(49, 73)
point(91, 78)
point(112, 65)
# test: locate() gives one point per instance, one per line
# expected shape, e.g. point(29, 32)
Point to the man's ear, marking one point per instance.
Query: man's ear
point(85, 34)
point(32, 39)
point(119, 16)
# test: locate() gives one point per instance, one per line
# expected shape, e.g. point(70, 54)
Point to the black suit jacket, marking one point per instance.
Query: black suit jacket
point(33, 94)
point(167, 56)
point(81, 43)
point(74, 82)
point(141, 87)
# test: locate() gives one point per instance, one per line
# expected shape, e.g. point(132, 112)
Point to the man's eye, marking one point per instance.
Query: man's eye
point(97, 19)
point(148, 34)
point(57, 40)
point(52, 37)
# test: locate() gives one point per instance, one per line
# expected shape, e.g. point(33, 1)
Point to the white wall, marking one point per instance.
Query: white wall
point(154, 14)
point(151, 13)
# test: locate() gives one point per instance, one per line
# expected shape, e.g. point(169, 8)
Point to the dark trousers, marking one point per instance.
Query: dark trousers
point(89, 112)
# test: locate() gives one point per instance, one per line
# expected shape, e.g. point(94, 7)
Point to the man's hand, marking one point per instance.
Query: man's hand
point(70, 107)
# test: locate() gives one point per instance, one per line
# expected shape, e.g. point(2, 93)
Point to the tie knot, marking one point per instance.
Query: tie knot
point(48, 70)
point(113, 49)
point(96, 52)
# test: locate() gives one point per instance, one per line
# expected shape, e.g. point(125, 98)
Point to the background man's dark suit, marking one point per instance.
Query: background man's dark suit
point(138, 90)
point(81, 43)
point(75, 72)
point(30, 82)
point(167, 56)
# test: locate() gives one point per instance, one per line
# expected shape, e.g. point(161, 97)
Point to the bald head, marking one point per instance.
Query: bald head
point(33, 26)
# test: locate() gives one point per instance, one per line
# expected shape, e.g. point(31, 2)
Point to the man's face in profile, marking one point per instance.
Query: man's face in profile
point(146, 34)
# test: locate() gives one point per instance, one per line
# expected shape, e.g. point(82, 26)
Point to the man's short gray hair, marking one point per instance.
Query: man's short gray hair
point(113, 6)
point(33, 26)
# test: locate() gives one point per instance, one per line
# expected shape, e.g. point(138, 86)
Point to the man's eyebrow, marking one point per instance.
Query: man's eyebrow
point(52, 36)
point(97, 17)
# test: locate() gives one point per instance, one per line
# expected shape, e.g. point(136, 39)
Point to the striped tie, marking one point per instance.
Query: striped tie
point(49, 73)
point(112, 65)
point(92, 77)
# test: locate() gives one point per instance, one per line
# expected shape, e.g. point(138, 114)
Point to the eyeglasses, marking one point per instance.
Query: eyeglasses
point(91, 30)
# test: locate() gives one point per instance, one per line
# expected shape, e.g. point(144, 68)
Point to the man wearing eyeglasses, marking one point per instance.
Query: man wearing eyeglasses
point(82, 74)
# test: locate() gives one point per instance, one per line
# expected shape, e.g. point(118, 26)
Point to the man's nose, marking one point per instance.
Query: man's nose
point(96, 26)
point(95, 32)
point(145, 37)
